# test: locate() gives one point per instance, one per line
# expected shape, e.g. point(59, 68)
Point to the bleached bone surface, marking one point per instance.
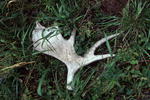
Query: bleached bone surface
point(50, 41)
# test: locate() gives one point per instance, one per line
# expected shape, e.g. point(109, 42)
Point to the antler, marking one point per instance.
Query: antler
point(50, 41)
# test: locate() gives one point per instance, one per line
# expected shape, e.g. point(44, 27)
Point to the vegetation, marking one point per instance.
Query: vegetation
point(28, 75)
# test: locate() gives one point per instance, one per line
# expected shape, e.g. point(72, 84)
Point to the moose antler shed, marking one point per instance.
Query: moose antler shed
point(51, 42)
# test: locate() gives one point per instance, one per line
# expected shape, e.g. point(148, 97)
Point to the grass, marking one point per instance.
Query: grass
point(124, 77)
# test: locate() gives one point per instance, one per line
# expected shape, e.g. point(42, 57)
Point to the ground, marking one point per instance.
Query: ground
point(26, 74)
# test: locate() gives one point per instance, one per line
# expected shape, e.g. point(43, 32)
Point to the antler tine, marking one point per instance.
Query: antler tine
point(38, 25)
point(90, 59)
point(72, 37)
point(98, 43)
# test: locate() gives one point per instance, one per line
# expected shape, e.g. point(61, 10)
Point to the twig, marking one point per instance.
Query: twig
point(16, 65)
